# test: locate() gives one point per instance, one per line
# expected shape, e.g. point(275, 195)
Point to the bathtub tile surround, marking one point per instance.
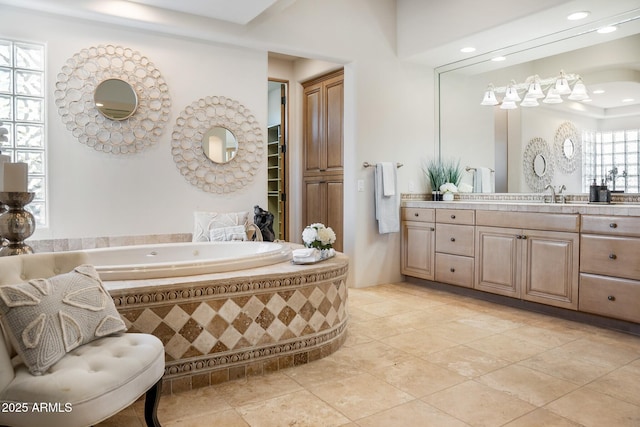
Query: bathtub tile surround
point(59, 245)
point(225, 326)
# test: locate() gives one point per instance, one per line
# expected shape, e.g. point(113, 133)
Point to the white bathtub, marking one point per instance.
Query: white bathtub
point(184, 259)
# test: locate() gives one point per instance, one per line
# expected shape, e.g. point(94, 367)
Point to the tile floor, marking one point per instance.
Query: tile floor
point(421, 357)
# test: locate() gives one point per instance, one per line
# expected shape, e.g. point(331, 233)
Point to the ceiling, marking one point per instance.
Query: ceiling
point(234, 11)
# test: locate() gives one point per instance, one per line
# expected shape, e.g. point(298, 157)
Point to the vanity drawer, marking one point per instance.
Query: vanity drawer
point(418, 214)
point(529, 220)
point(454, 269)
point(609, 296)
point(456, 216)
point(455, 239)
point(611, 225)
point(612, 256)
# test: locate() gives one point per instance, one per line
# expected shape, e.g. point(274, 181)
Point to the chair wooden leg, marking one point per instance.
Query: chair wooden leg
point(151, 401)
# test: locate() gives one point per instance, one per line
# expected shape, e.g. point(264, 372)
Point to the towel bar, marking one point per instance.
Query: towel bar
point(472, 169)
point(367, 164)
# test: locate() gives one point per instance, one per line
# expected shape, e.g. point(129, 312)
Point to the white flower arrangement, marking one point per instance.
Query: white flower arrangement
point(448, 187)
point(318, 236)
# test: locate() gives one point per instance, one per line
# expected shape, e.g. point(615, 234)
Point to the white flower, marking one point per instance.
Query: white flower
point(326, 236)
point(318, 236)
point(309, 235)
point(448, 187)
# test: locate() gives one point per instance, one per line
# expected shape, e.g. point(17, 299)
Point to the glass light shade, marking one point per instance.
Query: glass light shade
point(529, 101)
point(579, 92)
point(535, 91)
point(552, 97)
point(511, 94)
point(489, 98)
point(508, 105)
point(562, 86)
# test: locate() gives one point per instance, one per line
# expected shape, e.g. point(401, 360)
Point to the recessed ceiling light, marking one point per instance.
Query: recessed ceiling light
point(598, 91)
point(498, 58)
point(578, 15)
point(628, 100)
point(607, 30)
point(468, 49)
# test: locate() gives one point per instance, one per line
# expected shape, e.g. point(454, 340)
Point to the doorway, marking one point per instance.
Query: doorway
point(277, 170)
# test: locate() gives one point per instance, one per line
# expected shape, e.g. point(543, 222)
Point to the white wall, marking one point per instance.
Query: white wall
point(389, 114)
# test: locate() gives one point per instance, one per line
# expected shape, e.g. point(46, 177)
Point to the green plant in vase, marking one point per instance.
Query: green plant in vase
point(435, 172)
point(452, 171)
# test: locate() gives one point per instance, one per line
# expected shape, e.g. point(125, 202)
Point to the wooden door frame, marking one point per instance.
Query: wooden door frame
point(284, 132)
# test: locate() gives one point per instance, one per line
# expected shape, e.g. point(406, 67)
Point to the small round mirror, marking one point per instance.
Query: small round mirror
point(568, 148)
point(220, 145)
point(115, 99)
point(540, 165)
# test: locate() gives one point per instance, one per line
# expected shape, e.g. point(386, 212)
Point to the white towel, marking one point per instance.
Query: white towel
point(483, 182)
point(388, 179)
point(387, 207)
point(306, 255)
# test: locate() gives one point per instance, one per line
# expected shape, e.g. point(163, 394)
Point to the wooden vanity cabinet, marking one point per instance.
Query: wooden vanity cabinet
point(418, 243)
point(610, 266)
point(455, 246)
point(534, 265)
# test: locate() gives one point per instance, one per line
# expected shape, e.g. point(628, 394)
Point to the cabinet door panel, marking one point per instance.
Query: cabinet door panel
point(313, 129)
point(314, 203)
point(497, 253)
point(334, 130)
point(552, 268)
point(334, 211)
point(418, 239)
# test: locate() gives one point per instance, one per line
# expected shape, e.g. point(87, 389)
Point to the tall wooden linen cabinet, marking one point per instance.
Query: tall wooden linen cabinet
point(323, 140)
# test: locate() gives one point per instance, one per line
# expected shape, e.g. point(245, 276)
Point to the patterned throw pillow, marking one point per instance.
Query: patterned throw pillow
point(204, 222)
point(46, 318)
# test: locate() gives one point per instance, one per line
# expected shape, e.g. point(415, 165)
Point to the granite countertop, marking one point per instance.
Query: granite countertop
point(621, 209)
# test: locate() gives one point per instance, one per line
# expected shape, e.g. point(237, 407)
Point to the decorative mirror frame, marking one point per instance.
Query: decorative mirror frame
point(75, 88)
point(188, 154)
point(567, 131)
point(535, 147)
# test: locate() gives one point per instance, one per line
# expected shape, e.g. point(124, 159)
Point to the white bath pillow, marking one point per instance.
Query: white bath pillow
point(204, 222)
point(225, 234)
point(47, 318)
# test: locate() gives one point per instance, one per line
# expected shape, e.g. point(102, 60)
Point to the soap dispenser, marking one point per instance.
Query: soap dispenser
point(593, 192)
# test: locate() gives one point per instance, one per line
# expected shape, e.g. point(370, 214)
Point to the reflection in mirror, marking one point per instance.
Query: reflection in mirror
point(496, 138)
point(220, 145)
point(568, 148)
point(115, 99)
point(540, 165)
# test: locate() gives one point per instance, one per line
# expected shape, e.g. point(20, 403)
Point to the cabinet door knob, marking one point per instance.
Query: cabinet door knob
point(612, 256)
point(453, 239)
point(611, 298)
point(416, 214)
point(432, 229)
point(453, 270)
point(453, 217)
point(613, 225)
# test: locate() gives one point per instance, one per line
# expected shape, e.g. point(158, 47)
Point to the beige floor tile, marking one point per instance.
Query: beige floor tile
point(323, 370)
point(187, 404)
point(419, 343)
point(491, 323)
point(462, 331)
point(467, 361)
point(565, 365)
point(256, 389)
point(360, 396)
point(527, 384)
point(370, 356)
point(479, 405)
point(541, 417)
point(125, 418)
point(414, 413)
point(603, 353)
point(298, 409)
point(387, 308)
point(623, 383)
point(357, 314)
point(418, 377)
point(506, 347)
point(383, 327)
point(228, 418)
point(357, 334)
point(544, 337)
point(593, 409)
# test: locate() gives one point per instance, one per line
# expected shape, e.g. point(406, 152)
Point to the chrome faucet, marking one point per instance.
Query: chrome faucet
point(553, 193)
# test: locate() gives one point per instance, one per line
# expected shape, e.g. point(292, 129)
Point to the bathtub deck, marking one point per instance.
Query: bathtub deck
point(225, 326)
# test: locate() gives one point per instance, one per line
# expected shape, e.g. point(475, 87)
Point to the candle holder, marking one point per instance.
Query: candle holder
point(16, 224)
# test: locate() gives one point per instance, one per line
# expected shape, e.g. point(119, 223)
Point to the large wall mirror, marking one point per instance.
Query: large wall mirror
point(496, 138)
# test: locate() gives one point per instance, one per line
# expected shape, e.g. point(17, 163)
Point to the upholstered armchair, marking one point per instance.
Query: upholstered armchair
point(90, 373)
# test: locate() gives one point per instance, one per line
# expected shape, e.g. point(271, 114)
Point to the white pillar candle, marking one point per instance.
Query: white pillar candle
point(15, 177)
point(3, 159)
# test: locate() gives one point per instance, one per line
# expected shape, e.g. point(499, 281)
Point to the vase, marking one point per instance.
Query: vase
point(16, 224)
point(447, 197)
point(436, 196)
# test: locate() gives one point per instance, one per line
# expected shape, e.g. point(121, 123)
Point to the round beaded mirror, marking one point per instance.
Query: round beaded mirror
point(568, 147)
point(537, 164)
